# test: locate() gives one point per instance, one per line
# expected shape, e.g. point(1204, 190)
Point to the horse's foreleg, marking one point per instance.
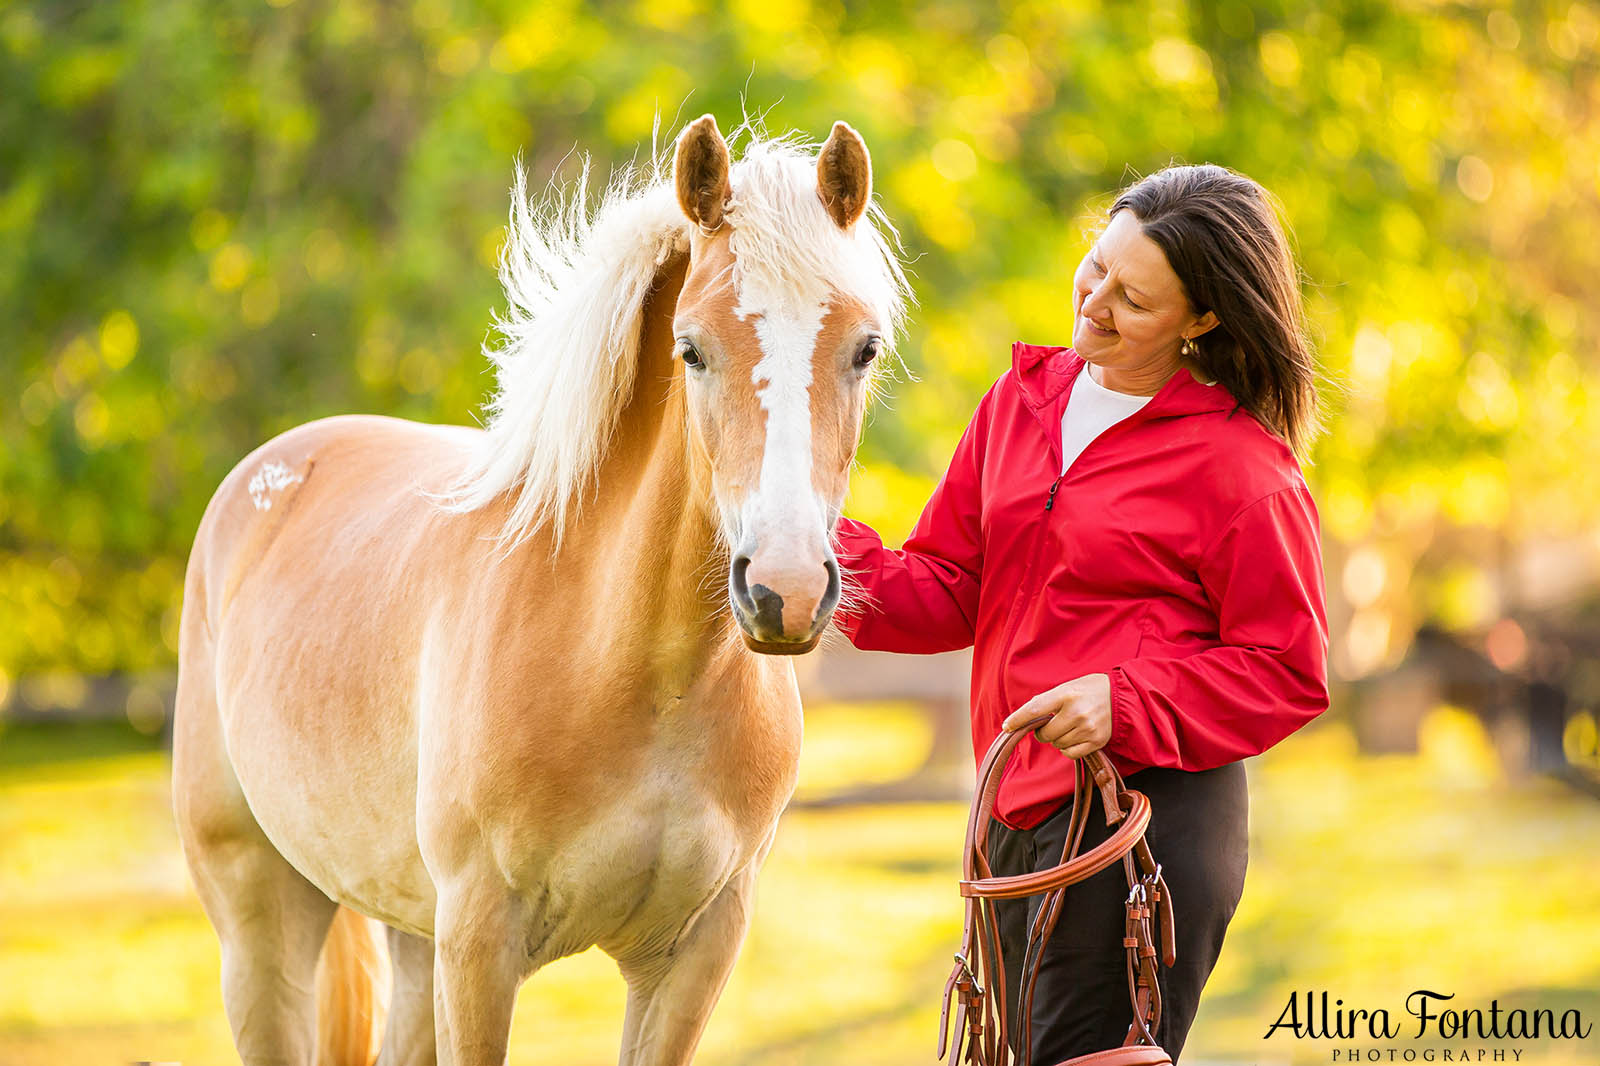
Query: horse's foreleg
point(408, 1038)
point(480, 958)
point(670, 996)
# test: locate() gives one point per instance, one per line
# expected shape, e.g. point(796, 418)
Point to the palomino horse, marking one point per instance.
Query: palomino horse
point(478, 686)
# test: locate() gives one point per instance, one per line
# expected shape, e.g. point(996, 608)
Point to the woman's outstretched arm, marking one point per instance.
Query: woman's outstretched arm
point(923, 597)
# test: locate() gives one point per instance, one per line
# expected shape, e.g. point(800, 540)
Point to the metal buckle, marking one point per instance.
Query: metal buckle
point(970, 976)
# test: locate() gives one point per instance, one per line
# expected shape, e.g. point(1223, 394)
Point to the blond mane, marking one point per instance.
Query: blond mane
point(576, 280)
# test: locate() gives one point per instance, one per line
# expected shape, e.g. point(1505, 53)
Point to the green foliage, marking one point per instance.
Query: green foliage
point(220, 220)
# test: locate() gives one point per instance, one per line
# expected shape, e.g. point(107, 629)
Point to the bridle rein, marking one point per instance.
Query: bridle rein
point(977, 984)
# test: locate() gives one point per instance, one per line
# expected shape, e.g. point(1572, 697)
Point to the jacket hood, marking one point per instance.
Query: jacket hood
point(1045, 375)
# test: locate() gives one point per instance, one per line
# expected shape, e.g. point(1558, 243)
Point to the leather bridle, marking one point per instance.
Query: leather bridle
point(977, 984)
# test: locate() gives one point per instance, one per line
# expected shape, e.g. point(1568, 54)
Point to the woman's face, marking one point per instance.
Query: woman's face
point(1130, 311)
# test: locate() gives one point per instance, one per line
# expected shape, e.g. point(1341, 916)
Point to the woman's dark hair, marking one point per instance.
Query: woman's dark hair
point(1221, 235)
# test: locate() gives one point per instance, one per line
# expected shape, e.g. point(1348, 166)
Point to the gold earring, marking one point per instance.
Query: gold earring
point(1190, 347)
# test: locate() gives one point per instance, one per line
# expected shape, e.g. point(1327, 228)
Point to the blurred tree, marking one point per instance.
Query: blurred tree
point(220, 220)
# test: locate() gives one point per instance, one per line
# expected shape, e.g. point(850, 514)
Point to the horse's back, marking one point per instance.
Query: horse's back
point(359, 470)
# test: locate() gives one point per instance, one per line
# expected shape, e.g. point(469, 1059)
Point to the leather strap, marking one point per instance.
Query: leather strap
point(977, 985)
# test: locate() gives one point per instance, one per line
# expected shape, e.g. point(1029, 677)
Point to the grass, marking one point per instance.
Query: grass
point(1369, 877)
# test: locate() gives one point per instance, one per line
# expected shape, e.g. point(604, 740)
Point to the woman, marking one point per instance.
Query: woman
point(1125, 537)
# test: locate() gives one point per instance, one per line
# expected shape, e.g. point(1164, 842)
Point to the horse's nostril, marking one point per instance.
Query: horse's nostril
point(738, 584)
point(831, 596)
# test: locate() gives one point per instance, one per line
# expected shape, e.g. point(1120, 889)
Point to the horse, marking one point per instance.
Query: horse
point(516, 691)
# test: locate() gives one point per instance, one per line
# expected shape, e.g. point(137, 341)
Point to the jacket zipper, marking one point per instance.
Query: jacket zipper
point(1014, 622)
point(1054, 440)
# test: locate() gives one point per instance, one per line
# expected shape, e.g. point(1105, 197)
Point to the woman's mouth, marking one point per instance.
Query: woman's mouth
point(1097, 331)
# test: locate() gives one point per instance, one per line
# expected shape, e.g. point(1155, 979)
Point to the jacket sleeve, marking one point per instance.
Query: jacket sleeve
point(923, 597)
point(1268, 677)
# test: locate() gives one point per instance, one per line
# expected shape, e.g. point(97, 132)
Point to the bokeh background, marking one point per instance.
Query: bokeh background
point(221, 220)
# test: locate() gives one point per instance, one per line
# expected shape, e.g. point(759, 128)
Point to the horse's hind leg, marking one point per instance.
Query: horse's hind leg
point(670, 996)
point(408, 1038)
point(270, 920)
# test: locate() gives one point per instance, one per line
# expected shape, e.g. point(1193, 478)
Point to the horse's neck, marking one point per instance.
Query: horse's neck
point(650, 538)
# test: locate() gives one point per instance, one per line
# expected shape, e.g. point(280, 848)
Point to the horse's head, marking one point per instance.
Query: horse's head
point(789, 301)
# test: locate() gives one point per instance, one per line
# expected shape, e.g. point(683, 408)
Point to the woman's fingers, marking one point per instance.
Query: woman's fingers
point(1065, 727)
point(1080, 715)
point(1040, 704)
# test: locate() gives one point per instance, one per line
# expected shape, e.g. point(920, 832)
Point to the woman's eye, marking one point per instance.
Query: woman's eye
point(690, 355)
point(1131, 304)
point(869, 351)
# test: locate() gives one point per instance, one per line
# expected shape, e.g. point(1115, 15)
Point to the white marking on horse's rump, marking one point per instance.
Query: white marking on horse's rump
point(272, 477)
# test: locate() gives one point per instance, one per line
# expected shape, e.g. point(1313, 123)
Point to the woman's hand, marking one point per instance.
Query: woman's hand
point(1082, 709)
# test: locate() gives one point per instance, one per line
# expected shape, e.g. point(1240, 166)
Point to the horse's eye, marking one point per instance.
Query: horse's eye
point(690, 355)
point(869, 351)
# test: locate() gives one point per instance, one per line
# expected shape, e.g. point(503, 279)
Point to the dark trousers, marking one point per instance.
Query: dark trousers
point(1199, 834)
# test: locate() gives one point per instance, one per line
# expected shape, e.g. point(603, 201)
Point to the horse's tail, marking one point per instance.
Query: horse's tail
point(351, 992)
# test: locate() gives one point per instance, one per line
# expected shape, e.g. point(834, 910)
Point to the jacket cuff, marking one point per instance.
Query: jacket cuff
point(1121, 707)
point(853, 542)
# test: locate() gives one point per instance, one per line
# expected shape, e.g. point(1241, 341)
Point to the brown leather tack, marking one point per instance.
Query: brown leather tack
point(977, 985)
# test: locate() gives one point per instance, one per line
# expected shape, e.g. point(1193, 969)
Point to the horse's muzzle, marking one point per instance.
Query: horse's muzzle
point(782, 611)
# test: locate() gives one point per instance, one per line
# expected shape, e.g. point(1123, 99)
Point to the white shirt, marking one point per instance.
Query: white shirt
point(1091, 410)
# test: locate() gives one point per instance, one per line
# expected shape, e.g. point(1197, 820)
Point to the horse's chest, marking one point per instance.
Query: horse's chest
point(629, 869)
point(631, 873)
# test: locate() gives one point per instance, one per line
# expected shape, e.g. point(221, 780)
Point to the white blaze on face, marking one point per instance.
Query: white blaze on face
point(782, 378)
point(783, 519)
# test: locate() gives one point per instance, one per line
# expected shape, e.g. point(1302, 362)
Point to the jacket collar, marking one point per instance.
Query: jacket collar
point(1045, 375)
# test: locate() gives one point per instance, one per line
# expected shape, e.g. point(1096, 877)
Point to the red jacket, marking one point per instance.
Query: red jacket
point(1179, 554)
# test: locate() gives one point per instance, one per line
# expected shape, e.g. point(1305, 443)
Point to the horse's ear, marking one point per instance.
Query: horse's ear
point(844, 175)
point(700, 170)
